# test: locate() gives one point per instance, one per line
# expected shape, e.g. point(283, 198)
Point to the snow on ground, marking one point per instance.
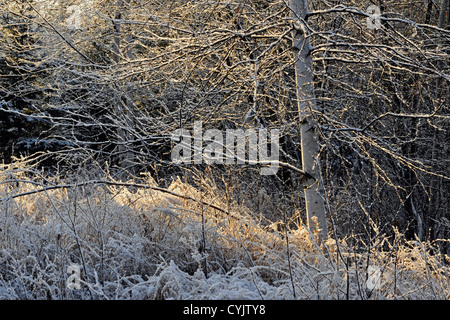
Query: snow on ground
point(178, 243)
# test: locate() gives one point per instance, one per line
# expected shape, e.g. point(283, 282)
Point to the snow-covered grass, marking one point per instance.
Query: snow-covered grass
point(140, 241)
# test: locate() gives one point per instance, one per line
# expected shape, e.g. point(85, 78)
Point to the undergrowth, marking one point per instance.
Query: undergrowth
point(141, 241)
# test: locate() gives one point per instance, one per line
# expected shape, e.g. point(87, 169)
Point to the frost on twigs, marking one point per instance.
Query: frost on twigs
point(74, 20)
point(144, 243)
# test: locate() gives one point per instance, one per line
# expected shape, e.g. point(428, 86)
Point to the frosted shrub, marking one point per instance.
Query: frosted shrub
point(140, 241)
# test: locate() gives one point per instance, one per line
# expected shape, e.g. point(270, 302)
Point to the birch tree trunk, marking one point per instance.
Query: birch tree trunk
point(312, 184)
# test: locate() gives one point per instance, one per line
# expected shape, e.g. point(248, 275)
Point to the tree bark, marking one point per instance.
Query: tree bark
point(123, 105)
point(429, 11)
point(312, 184)
point(442, 14)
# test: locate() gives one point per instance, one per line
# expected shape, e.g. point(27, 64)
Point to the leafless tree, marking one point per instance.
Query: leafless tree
point(371, 105)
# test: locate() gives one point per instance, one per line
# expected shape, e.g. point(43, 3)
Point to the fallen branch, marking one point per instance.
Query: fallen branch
point(111, 183)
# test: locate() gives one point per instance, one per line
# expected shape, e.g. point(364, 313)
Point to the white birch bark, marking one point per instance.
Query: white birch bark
point(313, 187)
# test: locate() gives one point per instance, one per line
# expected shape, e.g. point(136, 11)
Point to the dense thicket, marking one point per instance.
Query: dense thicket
point(112, 87)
